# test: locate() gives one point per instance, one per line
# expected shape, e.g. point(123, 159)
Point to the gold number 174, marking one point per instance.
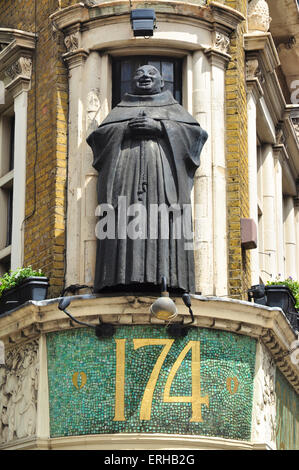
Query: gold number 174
point(196, 400)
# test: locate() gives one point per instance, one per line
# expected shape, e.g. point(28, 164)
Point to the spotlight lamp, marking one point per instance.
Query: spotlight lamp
point(143, 22)
point(165, 309)
point(103, 330)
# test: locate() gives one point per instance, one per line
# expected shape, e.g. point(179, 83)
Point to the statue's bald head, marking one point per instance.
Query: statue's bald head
point(147, 80)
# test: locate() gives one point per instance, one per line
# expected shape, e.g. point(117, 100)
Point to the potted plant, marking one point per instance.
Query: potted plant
point(279, 293)
point(21, 285)
point(284, 294)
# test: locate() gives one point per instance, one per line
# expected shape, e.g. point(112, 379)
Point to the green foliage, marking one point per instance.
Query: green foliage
point(14, 278)
point(291, 284)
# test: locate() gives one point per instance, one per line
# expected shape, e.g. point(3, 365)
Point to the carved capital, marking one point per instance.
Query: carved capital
point(75, 58)
point(72, 41)
point(280, 138)
point(221, 42)
point(296, 126)
point(252, 68)
point(22, 67)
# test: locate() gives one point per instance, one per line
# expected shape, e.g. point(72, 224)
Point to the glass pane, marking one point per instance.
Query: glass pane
point(125, 88)
point(12, 144)
point(156, 64)
point(126, 71)
point(168, 86)
point(9, 217)
point(167, 71)
point(124, 68)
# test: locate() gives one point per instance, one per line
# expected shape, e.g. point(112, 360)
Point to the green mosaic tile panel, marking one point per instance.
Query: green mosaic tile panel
point(109, 385)
point(287, 414)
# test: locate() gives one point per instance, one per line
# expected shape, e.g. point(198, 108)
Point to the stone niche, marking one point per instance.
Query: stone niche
point(199, 35)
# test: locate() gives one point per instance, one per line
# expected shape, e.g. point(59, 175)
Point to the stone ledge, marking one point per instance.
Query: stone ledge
point(270, 325)
point(133, 441)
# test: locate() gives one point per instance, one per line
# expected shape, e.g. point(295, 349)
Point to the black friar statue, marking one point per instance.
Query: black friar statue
point(146, 152)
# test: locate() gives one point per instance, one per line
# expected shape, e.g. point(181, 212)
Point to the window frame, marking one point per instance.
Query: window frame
point(116, 72)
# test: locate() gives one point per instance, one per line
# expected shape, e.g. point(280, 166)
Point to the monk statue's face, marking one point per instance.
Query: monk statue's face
point(147, 80)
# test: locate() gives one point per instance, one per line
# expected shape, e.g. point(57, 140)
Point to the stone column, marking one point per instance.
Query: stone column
point(93, 102)
point(219, 58)
point(20, 75)
point(203, 196)
point(290, 238)
point(252, 175)
point(269, 203)
point(279, 211)
point(75, 60)
point(19, 188)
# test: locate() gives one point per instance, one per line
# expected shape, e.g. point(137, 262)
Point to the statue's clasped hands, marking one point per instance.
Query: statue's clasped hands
point(145, 125)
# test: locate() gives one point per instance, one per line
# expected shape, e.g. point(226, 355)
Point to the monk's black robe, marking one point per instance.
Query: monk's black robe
point(155, 171)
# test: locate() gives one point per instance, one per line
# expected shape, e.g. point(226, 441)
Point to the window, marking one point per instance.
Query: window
point(123, 69)
point(7, 123)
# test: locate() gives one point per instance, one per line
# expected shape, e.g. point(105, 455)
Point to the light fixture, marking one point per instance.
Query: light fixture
point(143, 22)
point(165, 309)
point(103, 330)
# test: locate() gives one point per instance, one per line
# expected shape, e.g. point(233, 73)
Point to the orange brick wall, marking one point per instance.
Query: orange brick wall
point(44, 236)
point(237, 159)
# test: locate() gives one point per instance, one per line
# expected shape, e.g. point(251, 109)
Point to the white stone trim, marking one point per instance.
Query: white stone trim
point(136, 441)
point(15, 72)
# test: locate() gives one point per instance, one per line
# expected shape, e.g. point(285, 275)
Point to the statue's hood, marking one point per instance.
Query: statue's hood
point(161, 106)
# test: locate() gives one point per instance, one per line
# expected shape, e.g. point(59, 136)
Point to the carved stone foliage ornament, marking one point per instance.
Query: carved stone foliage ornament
point(258, 16)
point(18, 393)
point(93, 109)
point(221, 42)
point(72, 42)
point(265, 411)
point(22, 67)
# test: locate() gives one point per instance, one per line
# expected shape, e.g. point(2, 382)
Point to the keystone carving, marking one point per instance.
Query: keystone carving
point(22, 67)
point(18, 393)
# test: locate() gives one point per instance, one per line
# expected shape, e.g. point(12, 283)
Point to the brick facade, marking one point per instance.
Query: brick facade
point(237, 160)
point(47, 145)
point(46, 140)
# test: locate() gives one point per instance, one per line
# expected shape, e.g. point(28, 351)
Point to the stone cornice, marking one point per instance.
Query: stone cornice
point(263, 323)
point(16, 59)
point(217, 15)
point(263, 44)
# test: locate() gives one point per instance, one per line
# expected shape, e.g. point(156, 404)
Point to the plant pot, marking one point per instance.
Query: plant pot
point(32, 288)
point(276, 296)
point(281, 296)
